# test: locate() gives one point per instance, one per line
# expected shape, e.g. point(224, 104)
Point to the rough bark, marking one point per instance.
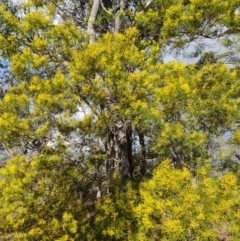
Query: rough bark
point(123, 137)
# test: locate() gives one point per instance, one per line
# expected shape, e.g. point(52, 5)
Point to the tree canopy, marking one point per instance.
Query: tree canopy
point(102, 138)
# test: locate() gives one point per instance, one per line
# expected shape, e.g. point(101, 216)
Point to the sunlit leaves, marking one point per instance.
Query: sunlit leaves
point(42, 193)
point(174, 206)
point(71, 94)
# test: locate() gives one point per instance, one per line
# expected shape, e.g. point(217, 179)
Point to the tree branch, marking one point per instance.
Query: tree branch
point(148, 4)
point(92, 18)
point(105, 8)
point(117, 17)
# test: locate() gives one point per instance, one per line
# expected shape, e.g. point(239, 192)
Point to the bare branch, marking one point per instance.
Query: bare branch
point(148, 4)
point(92, 18)
point(105, 8)
point(117, 18)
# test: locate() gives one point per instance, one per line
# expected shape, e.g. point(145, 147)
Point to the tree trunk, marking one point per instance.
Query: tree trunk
point(123, 138)
point(123, 128)
point(143, 153)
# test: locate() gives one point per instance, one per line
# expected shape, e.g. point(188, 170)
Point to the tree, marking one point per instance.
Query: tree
point(91, 87)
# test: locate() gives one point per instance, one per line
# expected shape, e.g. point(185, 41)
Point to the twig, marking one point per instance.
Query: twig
point(105, 8)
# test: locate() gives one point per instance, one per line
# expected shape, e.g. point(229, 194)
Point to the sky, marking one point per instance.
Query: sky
point(213, 45)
